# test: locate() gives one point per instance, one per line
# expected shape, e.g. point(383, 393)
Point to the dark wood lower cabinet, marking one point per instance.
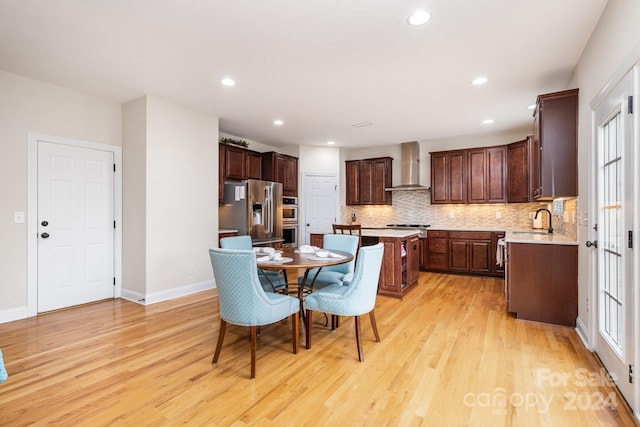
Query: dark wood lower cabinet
point(437, 249)
point(542, 282)
point(466, 252)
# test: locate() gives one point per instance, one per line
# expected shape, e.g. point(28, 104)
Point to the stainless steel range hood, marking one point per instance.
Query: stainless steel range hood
point(409, 168)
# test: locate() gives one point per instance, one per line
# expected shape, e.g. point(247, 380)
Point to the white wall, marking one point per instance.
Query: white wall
point(613, 40)
point(134, 195)
point(182, 194)
point(171, 198)
point(30, 106)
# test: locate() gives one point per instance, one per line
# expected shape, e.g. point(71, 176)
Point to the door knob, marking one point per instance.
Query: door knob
point(45, 235)
point(590, 243)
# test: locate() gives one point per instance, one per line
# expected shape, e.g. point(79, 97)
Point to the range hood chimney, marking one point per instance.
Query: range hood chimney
point(409, 168)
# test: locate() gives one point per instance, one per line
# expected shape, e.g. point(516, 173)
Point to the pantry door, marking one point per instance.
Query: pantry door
point(75, 223)
point(320, 204)
point(615, 195)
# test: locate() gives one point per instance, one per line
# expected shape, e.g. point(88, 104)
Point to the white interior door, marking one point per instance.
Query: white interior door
point(321, 201)
point(75, 225)
point(615, 188)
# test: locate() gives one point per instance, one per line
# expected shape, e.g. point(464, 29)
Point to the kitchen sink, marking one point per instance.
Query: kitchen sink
point(531, 232)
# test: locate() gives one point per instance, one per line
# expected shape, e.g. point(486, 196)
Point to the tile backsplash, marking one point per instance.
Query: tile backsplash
point(414, 207)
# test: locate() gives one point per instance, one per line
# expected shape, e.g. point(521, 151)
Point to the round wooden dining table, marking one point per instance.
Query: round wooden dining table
point(293, 259)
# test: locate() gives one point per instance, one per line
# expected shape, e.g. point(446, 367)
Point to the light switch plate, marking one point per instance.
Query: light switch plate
point(18, 217)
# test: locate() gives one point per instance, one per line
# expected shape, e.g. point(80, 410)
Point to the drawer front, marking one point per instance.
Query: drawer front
point(437, 233)
point(471, 235)
point(437, 261)
point(437, 245)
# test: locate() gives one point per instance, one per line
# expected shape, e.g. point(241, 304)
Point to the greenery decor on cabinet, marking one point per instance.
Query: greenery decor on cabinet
point(232, 141)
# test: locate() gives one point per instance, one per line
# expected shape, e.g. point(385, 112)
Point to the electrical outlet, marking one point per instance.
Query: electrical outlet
point(532, 215)
point(191, 269)
point(498, 215)
point(452, 214)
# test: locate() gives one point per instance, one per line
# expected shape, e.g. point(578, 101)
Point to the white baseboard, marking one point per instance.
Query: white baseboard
point(12, 314)
point(181, 291)
point(583, 333)
point(133, 296)
point(18, 313)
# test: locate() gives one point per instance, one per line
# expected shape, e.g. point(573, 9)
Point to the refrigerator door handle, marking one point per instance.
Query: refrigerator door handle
point(268, 212)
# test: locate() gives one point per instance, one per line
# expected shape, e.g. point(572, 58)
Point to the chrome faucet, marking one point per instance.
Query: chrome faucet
point(549, 212)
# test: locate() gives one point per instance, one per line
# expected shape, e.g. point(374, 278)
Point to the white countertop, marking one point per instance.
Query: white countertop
point(538, 237)
point(387, 232)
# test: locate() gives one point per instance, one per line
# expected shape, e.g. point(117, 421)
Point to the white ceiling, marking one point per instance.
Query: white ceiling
point(319, 65)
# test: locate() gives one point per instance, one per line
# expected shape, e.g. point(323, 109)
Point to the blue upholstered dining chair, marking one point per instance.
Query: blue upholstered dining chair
point(243, 302)
point(271, 281)
point(354, 300)
point(333, 274)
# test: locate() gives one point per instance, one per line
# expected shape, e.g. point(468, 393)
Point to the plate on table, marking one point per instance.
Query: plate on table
point(324, 255)
point(259, 250)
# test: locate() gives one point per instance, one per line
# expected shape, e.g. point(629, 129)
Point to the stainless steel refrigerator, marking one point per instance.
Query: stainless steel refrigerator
point(254, 208)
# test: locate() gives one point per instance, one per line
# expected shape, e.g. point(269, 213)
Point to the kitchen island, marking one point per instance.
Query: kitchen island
point(400, 264)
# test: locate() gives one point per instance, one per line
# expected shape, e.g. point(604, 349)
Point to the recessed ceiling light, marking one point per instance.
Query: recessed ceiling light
point(278, 122)
point(331, 143)
point(361, 124)
point(227, 81)
point(487, 121)
point(419, 17)
point(532, 107)
point(479, 81)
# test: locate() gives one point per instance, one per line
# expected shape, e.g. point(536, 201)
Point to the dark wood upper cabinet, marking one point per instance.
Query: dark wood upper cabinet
point(235, 163)
point(518, 167)
point(487, 174)
point(555, 146)
point(448, 177)
point(496, 175)
point(474, 175)
point(222, 151)
point(477, 190)
point(366, 181)
point(352, 177)
point(254, 165)
point(281, 168)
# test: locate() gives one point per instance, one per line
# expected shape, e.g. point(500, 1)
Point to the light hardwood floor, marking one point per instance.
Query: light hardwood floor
point(450, 356)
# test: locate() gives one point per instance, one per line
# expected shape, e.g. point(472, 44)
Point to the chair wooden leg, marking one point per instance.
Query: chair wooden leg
point(335, 322)
point(294, 331)
point(286, 281)
point(308, 328)
point(359, 339)
point(253, 351)
point(221, 331)
point(374, 326)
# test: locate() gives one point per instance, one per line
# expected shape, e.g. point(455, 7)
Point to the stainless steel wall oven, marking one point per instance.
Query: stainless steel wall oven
point(290, 235)
point(290, 210)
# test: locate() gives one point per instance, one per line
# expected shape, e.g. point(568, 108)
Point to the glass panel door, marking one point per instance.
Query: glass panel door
point(615, 188)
